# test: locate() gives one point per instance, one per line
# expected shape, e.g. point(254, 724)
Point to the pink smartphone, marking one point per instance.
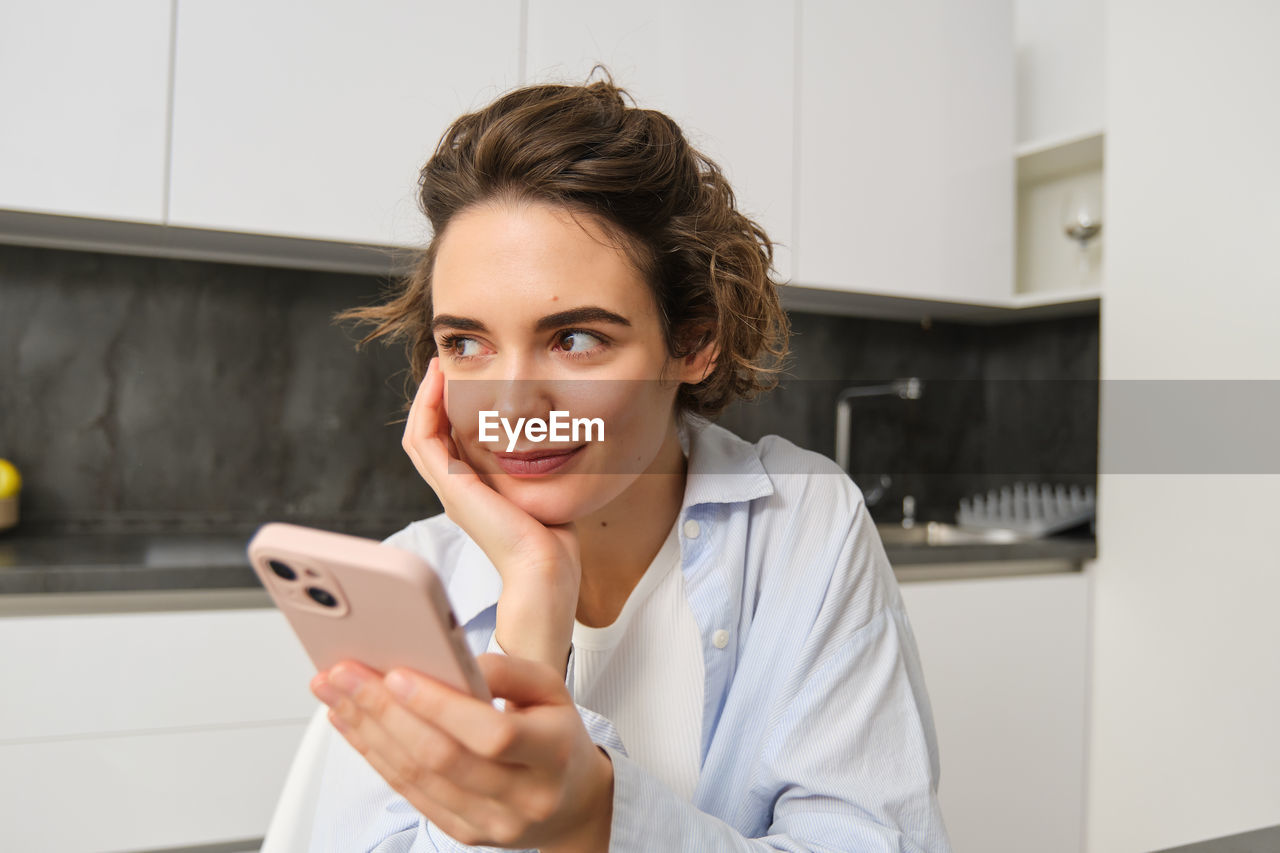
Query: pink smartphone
point(357, 599)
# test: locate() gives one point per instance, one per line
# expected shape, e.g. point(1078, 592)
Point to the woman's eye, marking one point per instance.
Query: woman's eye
point(578, 341)
point(461, 347)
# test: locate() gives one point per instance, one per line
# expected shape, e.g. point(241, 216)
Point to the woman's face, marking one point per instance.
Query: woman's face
point(536, 310)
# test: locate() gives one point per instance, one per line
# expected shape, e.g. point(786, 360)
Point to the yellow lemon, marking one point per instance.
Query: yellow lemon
point(10, 479)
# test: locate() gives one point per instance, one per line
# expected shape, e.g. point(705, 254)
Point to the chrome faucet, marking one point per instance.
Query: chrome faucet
point(906, 389)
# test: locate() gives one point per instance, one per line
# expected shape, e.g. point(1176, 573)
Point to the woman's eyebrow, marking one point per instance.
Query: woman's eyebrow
point(586, 314)
point(453, 321)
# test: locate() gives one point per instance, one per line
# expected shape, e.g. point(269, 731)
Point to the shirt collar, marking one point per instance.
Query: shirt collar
point(723, 469)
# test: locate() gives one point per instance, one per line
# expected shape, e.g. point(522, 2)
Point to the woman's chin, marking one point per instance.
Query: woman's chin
point(547, 506)
point(554, 500)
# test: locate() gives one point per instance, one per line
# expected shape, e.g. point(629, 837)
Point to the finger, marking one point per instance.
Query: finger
point(415, 746)
point(430, 444)
point(473, 723)
point(492, 798)
point(431, 403)
point(522, 681)
point(527, 738)
point(432, 428)
point(410, 429)
point(437, 766)
point(542, 705)
point(450, 808)
point(523, 747)
point(421, 439)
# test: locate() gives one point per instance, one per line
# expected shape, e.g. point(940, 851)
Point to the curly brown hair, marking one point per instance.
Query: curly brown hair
point(669, 206)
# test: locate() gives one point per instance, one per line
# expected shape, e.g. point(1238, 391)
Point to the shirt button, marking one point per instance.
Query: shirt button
point(692, 529)
point(720, 638)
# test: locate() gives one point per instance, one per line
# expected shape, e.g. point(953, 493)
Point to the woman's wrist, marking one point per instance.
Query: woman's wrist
point(536, 626)
point(518, 643)
point(592, 834)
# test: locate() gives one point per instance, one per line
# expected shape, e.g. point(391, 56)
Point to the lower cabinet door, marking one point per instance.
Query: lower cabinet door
point(149, 730)
point(1006, 667)
point(143, 791)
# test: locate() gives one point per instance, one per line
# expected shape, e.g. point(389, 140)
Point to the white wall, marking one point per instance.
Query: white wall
point(1185, 741)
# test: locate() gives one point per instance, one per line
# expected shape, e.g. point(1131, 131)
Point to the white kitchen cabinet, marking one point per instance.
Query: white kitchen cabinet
point(727, 79)
point(157, 790)
point(874, 142)
point(1061, 62)
point(906, 135)
point(1061, 141)
point(154, 729)
point(149, 671)
point(84, 98)
point(312, 119)
point(1006, 666)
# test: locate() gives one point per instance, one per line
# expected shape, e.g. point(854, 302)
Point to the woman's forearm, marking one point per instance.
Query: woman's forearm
point(535, 621)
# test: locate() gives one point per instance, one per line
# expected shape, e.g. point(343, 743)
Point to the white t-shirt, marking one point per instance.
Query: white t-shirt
point(644, 672)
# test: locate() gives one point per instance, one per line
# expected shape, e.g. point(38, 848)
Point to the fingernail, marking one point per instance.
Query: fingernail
point(346, 680)
point(326, 692)
point(401, 686)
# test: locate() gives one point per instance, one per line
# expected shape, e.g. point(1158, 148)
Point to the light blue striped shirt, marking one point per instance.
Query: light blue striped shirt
point(817, 734)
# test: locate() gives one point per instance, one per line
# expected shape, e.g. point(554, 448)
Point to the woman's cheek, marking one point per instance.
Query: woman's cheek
point(634, 433)
point(463, 401)
point(615, 402)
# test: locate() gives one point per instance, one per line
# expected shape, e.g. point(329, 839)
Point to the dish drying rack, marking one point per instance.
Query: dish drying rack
point(1031, 509)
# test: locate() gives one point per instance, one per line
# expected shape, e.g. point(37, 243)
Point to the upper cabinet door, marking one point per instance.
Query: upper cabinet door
point(84, 90)
point(906, 148)
point(726, 74)
point(311, 119)
point(1061, 69)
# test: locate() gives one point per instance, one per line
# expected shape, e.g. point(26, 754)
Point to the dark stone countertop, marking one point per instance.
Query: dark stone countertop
point(1074, 549)
point(123, 562)
point(128, 562)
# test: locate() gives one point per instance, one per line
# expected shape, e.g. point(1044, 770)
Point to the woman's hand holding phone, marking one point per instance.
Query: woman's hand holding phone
point(527, 776)
point(540, 565)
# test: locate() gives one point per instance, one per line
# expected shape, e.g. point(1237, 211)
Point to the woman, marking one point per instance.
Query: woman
point(698, 641)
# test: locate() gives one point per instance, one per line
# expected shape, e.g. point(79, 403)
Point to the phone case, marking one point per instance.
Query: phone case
point(357, 599)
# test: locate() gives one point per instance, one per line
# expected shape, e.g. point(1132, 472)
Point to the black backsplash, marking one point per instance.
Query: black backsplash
point(999, 404)
point(147, 393)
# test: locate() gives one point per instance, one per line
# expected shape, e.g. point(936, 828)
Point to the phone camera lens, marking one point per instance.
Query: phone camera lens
point(322, 596)
point(282, 570)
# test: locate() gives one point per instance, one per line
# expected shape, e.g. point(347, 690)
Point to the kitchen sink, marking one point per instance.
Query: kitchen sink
point(941, 533)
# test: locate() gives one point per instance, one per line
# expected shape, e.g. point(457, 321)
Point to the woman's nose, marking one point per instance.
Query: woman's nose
point(517, 398)
point(520, 392)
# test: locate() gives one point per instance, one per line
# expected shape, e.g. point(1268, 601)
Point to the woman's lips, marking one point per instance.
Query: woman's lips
point(533, 463)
